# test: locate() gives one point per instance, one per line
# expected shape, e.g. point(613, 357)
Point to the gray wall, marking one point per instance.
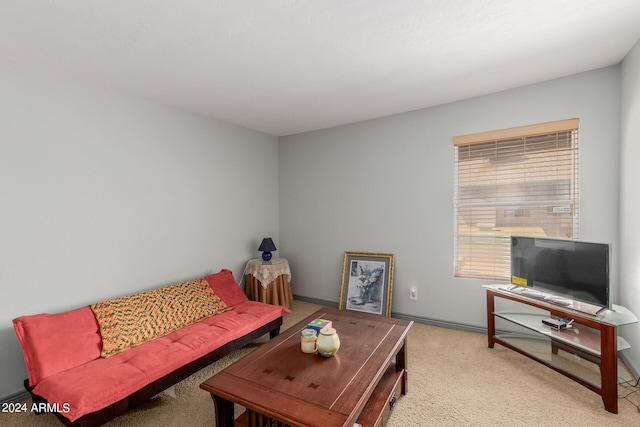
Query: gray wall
point(386, 185)
point(630, 200)
point(102, 195)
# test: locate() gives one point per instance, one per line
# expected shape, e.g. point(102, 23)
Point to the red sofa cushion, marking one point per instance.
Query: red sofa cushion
point(226, 287)
point(53, 343)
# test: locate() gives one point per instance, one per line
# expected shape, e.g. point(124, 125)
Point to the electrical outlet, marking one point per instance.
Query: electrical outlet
point(413, 293)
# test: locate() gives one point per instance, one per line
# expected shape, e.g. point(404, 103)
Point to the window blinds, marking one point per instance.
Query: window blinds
point(513, 182)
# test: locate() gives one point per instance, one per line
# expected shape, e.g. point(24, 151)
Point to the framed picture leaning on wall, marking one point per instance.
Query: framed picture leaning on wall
point(367, 283)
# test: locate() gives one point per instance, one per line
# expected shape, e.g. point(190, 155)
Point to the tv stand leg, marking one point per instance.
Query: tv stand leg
point(491, 320)
point(609, 368)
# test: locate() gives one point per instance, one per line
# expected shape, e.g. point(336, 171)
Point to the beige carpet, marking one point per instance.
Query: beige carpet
point(454, 380)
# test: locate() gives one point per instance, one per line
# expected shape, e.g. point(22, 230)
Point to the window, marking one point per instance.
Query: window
point(513, 182)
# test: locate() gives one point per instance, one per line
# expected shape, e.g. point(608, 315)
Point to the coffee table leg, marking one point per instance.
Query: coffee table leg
point(401, 363)
point(224, 411)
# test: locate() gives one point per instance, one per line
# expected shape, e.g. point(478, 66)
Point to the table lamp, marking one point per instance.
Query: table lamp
point(266, 247)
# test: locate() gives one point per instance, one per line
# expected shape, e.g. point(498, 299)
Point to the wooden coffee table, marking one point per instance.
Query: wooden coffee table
point(280, 385)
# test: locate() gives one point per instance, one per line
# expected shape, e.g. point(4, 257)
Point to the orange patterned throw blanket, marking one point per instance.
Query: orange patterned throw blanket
point(132, 320)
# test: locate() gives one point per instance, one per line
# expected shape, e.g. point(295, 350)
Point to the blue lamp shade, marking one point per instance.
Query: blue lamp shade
point(266, 247)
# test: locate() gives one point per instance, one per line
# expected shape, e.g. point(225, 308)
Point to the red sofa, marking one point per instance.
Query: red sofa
point(70, 375)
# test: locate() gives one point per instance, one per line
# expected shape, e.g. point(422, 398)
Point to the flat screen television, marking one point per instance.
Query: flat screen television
point(570, 269)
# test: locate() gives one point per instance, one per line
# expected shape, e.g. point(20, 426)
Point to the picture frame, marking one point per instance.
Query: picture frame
point(367, 283)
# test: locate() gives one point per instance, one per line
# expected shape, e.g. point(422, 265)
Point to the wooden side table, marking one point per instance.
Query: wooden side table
point(269, 281)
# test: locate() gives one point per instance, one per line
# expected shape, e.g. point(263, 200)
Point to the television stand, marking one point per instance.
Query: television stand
point(591, 338)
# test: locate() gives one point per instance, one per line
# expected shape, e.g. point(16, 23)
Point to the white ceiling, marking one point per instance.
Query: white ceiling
point(289, 66)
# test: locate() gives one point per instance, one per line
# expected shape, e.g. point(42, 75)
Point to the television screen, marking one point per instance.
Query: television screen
point(567, 268)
